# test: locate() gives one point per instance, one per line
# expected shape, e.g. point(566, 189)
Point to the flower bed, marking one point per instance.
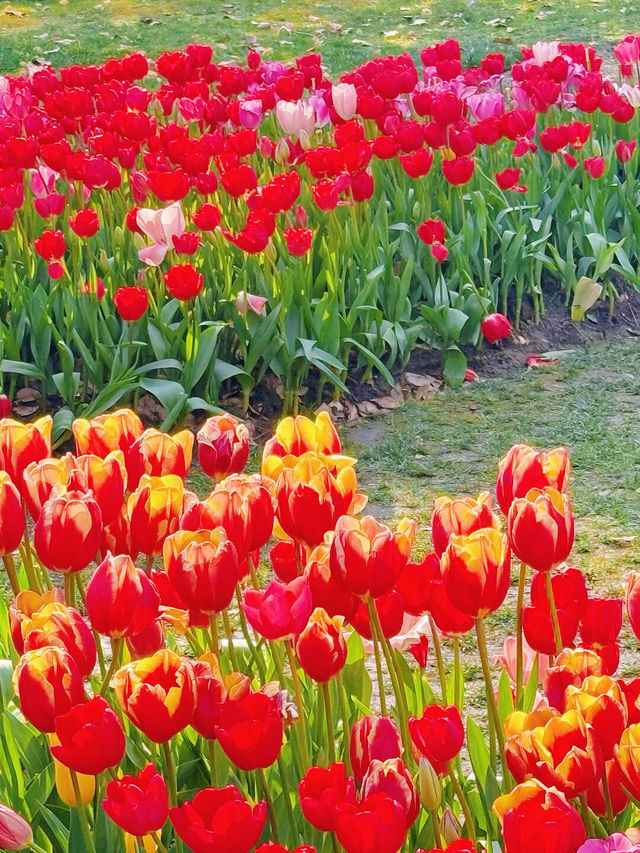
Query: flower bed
point(184, 227)
point(187, 701)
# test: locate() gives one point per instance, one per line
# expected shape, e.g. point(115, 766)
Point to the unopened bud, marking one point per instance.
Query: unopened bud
point(305, 140)
point(282, 152)
point(450, 827)
point(429, 785)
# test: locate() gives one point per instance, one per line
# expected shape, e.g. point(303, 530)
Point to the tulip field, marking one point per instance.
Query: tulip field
point(193, 229)
point(267, 667)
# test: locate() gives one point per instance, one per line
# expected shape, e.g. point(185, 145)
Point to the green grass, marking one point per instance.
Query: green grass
point(69, 31)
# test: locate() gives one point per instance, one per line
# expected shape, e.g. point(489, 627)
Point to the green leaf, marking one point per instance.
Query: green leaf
point(454, 366)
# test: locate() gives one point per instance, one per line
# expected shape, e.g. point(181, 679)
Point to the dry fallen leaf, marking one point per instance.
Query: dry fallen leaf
point(368, 407)
point(388, 402)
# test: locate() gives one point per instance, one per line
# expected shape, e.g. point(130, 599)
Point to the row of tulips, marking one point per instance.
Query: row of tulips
point(182, 692)
point(205, 223)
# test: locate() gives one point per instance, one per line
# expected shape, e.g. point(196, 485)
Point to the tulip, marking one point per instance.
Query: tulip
point(157, 454)
point(367, 557)
point(205, 573)
point(121, 601)
point(393, 778)
point(251, 302)
point(325, 591)
point(24, 606)
point(149, 641)
point(210, 696)
point(15, 832)
point(21, 444)
point(625, 150)
point(223, 446)
point(601, 622)
point(450, 828)
point(321, 791)
point(616, 843)
point(90, 737)
point(138, 804)
point(438, 734)
point(420, 651)
point(68, 530)
point(540, 528)
point(321, 648)
point(460, 517)
point(523, 469)
point(106, 478)
point(85, 223)
point(552, 825)
point(219, 819)
point(375, 824)
point(601, 703)
point(475, 571)
point(429, 785)
point(571, 666)
point(345, 100)
point(296, 436)
point(633, 601)
point(618, 799)
point(154, 510)
point(12, 520)
point(157, 694)
point(296, 118)
point(131, 302)
point(373, 737)
point(116, 536)
point(298, 241)
point(627, 755)
point(48, 683)
point(250, 730)
point(280, 610)
point(5, 406)
point(183, 282)
point(65, 788)
point(286, 558)
point(495, 327)
point(115, 431)
point(55, 624)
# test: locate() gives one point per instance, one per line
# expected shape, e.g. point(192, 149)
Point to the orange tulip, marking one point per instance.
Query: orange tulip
point(12, 520)
point(157, 694)
point(40, 479)
point(55, 624)
point(475, 571)
point(106, 478)
point(205, 571)
point(627, 754)
point(243, 505)
point(47, 682)
point(114, 431)
point(368, 557)
point(155, 453)
point(571, 666)
point(310, 499)
point(67, 532)
point(296, 436)
point(21, 444)
point(24, 606)
point(460, 517)
point(223, 446)
point(602, 705)
point(540, 528)
point(154, 510)
point(521, 721)
point(523, 469)
point(563, 754)
point(529, 790)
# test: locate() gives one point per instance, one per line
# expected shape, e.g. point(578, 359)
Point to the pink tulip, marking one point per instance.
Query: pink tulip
point(508, 660)
point(15, 832)
point(295, 117)
point(160, 226)
point(345, 100)
point(250, 302)
point(616, 843)
point(250, 113)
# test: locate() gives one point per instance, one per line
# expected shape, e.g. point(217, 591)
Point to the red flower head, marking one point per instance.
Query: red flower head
point(475, 570)
point(114, 431)
point(372, 738)
point(90, 737)
point(280, 610)
point(121, 600)
point(219, 819)
point(458, 171)
point(392, 777)
point(21, 444)
point(601, 622)
point(541, 528)
point(523, 469)
point(459, 517)
point(12, 520)
point(594, 166)
point(68, 531)
point(155, 453)
point(321, 791)
point(223, 446)
point(438, 734)
point(633, 601)
point(131, 302)
point(207, 217)
point(138, 804)
point(250, 730)
point(55, 624)
point(50, 245)
point(203, 569)
point(321, 647)
point(431, 231)
point(106, 478)
point(538, 820)
point(298, 240)
point(625, 150)
point(183, 282)
point(85, 223)
point(48, 683)
point(375, 824)
point(495, 327)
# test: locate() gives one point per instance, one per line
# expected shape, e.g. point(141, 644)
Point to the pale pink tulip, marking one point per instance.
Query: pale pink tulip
point(545, 51)
point(160, 226)
point(250, 302)
point(508, 659)
point(345, 100)
point(616, 843)
point(413, 627)
point(296, 116)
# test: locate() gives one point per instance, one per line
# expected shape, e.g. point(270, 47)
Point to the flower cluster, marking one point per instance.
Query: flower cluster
point(190, 700)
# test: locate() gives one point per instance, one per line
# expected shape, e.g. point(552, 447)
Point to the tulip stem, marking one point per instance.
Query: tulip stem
point(170, 773)
point(394, 675)
point(492, 708)
point(286, 793)
point(586, 814)
point(32, 576)
point(69, 590)
point(213, 627)
point(437, 648)
point(607, 799)
point(116, 649)
point(376, 653)
point(329, 719)
point(12, 574)
point(255, 654)
point(436, 828)
point(211, 747)
point(554, 612)
point(344, 713)
point(468, 820)
point(148, 564)
point(229, 633)
point(457, 698)
point(82, 814)
point(158, 842)
point(522, 580)
point(270, 810)
point(297, 689)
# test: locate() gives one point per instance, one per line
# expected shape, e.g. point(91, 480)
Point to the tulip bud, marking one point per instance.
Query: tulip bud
point(429, 785)
point(64, 785)
point(12, 521)
point(15, 832)
point(5, 406)
point(282, 152)
point(450, 827)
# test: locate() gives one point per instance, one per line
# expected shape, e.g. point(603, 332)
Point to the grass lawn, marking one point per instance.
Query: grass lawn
point(67, 31)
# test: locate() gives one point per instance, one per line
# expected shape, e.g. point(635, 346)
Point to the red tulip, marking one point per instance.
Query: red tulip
point(438, 734)
point(121, 601)
point(157, 454)
point(523, 469)
point(223, 446)
point(138, 804)
point(321, 791)
point(219, 819)
point(298, 240)
point(633, 601)
point(321, 648)
point(50, 245)
point(21, 444)
point(183, 282)
point(594, 166)
point(393, 777)
point(207, 217)
point(496, 326)
point(250, 730)
point(55, 624)
point(460, 516)
point(12, 520)
point(48, 683)
point(553, 826)
point(85, 223)
point(541, 528)
point(625, 150)
point(68, 530)
point(375, 824)
point(459, 170)
point(131, 302)
point(372, 738)
point(205, 571)
point(90, 737)
point(475, 571)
